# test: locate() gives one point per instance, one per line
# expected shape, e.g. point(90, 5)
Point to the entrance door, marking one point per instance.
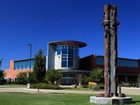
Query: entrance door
point(67, 80)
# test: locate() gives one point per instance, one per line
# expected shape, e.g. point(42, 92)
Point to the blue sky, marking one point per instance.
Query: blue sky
point(41, 21)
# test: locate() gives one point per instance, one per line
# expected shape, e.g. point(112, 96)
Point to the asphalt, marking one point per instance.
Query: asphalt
point(126, 90)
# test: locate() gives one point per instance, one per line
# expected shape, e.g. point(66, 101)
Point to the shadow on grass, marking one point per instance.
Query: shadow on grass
point(136, 101)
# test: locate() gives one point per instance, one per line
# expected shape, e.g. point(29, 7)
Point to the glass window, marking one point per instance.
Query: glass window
point(127, 63)
point(67, 52)
point(64, 63)
point(64, 56)
point(76, 51)
point(121, 62)
point(70, 63)
point(64, 59)
point(59, 49)
point(70, 59)
point(64, 50)
point(100, 60)
point(70, 51)
point(23, 64)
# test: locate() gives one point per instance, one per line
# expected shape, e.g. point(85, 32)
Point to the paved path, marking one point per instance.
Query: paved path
point(127, 91)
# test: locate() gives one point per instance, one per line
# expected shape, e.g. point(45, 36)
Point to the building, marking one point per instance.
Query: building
point(18, 66)
point(64, 56)
point(128, 69)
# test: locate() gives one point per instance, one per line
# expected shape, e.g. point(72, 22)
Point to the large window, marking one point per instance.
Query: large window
point(25, 64)
point(121, 62)
point(127, 63)
point(67, 53)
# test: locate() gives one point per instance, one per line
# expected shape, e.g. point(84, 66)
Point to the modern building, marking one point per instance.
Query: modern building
point(64, 56)
point(18, 66)
point(128, 69)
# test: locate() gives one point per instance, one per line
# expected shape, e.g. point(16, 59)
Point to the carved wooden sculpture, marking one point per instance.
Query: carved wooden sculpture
point(110, 44)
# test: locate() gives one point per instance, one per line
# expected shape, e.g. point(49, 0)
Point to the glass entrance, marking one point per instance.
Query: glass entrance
point(67, 80)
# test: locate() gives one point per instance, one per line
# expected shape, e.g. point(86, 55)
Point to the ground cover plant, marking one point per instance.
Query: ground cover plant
point(49, 99)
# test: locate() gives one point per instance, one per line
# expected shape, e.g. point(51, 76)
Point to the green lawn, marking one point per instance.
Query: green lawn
point(49, 99)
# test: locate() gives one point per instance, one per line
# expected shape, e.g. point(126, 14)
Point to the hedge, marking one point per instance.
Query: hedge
point(44, 86)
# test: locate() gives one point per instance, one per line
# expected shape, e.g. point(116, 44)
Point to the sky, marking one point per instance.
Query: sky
point(39, 22)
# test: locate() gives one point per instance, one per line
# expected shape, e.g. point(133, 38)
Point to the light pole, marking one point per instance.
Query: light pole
point(28, 82)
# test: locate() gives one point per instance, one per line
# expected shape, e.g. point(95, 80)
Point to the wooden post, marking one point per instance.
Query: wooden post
point(110, 45)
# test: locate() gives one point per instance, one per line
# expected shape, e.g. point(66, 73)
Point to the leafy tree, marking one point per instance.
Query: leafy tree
point(21, 78)
point(39, 69)
point(96, 75)
point(1, 73)
point(53, 76)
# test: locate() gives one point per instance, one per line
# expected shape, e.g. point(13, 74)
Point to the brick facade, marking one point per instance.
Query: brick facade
point(11, 73)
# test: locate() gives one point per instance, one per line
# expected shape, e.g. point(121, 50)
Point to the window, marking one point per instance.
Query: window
point(120, 62)
point(100, 60)
point(64, 63)
point(70, 63)
point(67, 53)
point(127, 63)
point(76, 51)
point(25, 64)
point(64, 50)
point(58, 49)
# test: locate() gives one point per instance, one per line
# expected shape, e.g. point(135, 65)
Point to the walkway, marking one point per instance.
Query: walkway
point(127, 91)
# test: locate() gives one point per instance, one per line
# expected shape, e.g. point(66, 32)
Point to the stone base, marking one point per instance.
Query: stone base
point(111, 100)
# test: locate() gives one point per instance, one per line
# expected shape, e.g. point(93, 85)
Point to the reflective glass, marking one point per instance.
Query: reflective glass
point(23, 64)
point(70, 63)
point(127, 63)
point(121, 62)
point(70, 51)
point(76, 51)
point(59, 49)
point(64, 63)
point(64, 56)
point(67, 56)
point(64, 59)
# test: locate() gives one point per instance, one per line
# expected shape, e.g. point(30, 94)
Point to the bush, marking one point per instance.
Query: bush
point(97, 87)
point(53, 76)
point(85, 86)
point(91, 85)
point(129, 84)
point(44, 86)
point(21, 78)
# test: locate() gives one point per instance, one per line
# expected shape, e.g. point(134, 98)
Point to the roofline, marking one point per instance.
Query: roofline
point(118, 57)
point(23, 60)
point(68, 42)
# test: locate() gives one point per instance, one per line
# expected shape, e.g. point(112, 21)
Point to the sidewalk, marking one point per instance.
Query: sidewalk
point(126, 90)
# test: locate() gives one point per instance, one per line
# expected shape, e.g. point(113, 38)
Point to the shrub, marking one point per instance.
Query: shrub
point(44, 86)
point(21, 78)
point(53, 76)
point(85, 86)
point(97, 87)
point(91, 85)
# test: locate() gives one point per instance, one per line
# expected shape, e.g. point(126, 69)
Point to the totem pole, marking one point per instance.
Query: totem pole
point(110, 44)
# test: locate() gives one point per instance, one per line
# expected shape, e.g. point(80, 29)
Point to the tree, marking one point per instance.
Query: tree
point(1, 73)
point(39, 70)
point(53, 75)
point(96, 75)
point(21, 78)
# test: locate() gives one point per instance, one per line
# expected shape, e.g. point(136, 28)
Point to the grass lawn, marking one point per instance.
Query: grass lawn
point(13, 85)
point(49, 99)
